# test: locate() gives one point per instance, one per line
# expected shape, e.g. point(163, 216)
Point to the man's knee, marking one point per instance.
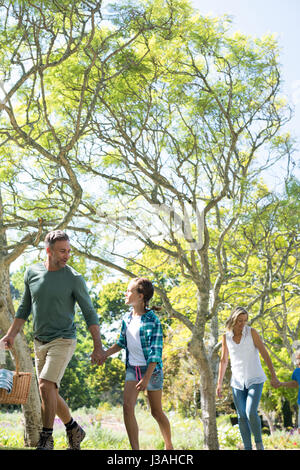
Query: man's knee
point(46, 386)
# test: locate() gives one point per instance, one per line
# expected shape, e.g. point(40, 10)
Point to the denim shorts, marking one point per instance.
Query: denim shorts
point(135, 373)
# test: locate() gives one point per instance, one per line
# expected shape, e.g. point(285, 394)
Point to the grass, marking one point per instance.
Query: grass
point(105, 430)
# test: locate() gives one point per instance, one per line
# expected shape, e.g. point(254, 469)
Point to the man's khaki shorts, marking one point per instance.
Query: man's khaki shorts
point(51, 359)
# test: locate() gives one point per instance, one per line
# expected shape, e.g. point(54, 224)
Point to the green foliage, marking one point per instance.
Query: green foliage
point(179, 368)
point(11, 440)
point(230, 437)
point(110, 301)
point(168, 108)
point(105, 430)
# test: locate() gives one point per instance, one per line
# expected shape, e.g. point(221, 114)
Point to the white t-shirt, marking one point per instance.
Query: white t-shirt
point(136, 355)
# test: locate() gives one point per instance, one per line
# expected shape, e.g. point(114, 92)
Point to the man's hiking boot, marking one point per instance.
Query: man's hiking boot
point(45, 441)
point(75, 436)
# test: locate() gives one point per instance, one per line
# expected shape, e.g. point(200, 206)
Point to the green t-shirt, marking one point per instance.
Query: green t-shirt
point(51, 296)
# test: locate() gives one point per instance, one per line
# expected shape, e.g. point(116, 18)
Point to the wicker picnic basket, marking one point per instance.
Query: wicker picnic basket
point(21, 386)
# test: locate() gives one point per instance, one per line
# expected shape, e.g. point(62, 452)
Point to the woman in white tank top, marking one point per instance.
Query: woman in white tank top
point(243, 344)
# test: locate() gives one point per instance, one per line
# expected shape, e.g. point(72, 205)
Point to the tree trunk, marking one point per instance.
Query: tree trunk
point(270, 420)
point(208, 408)
point(207, 388)
point(32, 409)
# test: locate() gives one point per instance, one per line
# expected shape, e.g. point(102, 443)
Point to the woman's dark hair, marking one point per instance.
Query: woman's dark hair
point(145, 287)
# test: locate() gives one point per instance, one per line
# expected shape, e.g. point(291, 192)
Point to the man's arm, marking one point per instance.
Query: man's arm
point(12, 332)
point(98, 355)
point(25, 306)
point(82, 296)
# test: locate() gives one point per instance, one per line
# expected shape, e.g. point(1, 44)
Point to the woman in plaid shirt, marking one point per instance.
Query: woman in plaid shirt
point(141, 336)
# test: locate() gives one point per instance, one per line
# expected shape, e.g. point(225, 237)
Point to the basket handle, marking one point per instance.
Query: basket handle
point(14, 353)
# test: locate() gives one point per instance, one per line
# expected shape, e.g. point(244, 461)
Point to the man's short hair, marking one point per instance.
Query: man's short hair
point(55, 236)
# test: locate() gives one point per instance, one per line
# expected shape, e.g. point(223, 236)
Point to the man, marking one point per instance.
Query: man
point(51, 291)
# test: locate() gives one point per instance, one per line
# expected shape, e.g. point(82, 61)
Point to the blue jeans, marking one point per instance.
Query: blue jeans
point(246, 402)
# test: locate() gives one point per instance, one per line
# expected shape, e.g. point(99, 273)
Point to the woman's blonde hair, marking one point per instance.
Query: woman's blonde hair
point(233, 317)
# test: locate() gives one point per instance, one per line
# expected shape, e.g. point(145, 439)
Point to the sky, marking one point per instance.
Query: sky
point(258, 17)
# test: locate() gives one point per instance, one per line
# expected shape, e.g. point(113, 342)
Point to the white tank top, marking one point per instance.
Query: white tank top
point(245, 362)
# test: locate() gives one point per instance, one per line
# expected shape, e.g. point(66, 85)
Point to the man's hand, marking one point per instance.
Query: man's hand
point(8, 341)
point(98, 356)
point(12, 332)
point(275, 382)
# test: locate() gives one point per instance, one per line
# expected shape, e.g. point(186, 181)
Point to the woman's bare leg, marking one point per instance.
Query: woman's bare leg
point(155, 397)
point(129, 402)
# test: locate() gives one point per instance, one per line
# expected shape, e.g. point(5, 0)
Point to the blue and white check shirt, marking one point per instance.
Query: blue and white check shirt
point(151, 338)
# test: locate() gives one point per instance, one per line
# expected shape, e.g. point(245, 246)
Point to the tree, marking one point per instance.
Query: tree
point(179, 143)
point(55, 64)
point(270, 228)
point(174, 119)
point(33, 147)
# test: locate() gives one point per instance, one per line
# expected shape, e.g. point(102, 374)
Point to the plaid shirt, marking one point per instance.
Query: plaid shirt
point(151, 338)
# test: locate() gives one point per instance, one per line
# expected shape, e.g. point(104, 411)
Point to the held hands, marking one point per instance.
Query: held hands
point(98, 356)
point(275, 382)
point(101, 355)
